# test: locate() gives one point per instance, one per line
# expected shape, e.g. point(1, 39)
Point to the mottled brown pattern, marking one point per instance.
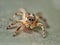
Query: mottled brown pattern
point(28, 23)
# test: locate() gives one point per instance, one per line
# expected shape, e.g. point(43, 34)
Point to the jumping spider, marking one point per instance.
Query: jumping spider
point(28, 22)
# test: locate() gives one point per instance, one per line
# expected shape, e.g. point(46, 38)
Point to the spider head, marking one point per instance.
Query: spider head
point(30, 18)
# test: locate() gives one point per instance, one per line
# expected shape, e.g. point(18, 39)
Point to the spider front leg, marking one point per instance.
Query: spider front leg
point(13, 24)
point(10, 26)
point(43, 29)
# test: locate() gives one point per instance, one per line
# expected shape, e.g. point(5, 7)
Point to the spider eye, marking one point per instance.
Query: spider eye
point(30, 19)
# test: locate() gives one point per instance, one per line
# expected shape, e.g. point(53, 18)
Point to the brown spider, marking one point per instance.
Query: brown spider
point(28, 22)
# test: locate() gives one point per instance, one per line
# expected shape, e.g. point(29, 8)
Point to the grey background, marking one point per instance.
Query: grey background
point(51, 12)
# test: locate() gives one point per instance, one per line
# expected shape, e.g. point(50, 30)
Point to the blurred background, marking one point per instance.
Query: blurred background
point(51, 11)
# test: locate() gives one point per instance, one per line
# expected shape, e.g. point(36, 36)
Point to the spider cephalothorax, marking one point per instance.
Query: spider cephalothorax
point(30, 19)
point(28, 22)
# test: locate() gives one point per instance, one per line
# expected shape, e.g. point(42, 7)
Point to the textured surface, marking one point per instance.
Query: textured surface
point(52, 15)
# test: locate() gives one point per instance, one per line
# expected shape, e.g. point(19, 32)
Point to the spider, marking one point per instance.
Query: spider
point(28, 22)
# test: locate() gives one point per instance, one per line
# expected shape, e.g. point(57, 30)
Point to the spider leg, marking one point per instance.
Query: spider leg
point(45, 21)
point(11, 25)
point(14, 24)
point(20, 11)
point(42, 18)
point(17, 31)
point(20, 28)
point(43, 33)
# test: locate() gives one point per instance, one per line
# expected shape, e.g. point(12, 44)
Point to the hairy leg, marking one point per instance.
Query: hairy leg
point(43, 29)
point(42, 18)
point(14, 23)
point(17, 31)
point(11, 25)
